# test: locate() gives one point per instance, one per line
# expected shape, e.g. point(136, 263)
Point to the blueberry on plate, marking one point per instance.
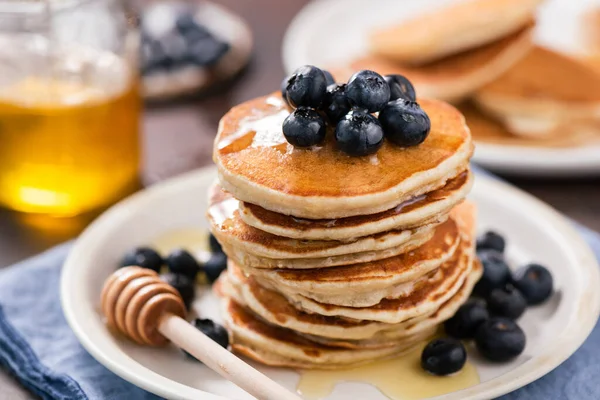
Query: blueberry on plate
point(304, 127)
point(404, 123)
point(491, 241)
point(207, 51)
point(216, 264)
point(368, 90)
point(534, 282)
point(336, 103)
point(183, 284)
point(359, 134)
point(144, 257)
point(496, 273)
point(467, 319)
point(500, 339)
point(443, 356)
point(213, 330)
point(214, 244)
point(400, 88)
point(328, 77)
point(181, 262)
point(306, 87)
point(507, 302)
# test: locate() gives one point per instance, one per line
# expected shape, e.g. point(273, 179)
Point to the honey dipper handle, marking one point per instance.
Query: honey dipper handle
point(220, 360)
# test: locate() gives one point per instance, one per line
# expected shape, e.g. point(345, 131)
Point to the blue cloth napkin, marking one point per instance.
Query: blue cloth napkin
point(38, 347)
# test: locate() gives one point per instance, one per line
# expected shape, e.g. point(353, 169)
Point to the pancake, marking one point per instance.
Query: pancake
point(454, 28)
point(436, 290)
point(454, 77)
point(391, 333)
point(412, 213)
point(444, 283)
point(365, 284)
point(233, 233)
point(542, 93)
point(271, 345)
point(258, 166)
point(485, 129)
point(248, 260)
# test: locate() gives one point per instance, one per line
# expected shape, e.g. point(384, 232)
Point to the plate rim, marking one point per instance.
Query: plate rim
point(527, 161)
point(507, 382)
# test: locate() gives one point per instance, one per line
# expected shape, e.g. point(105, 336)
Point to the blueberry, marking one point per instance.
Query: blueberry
point(216, 264)
point(336, 103)
point(304, 127)
point(213, 330)
point(196, 34)
point(500, 339)
point(367, 89)
point(207, 51)
point(491, 241)
point(306, 87)
point(328, 77)
point(495, 272)
point(467, 319)
point(175, 49)
point(359, 133)
point(443, 356)
point(183, 284)
point(186, 24)
point(404, 123)
point(400, 88)
point(144, 257)
point(152, 56)
point(214, 244)
point(534, 282)
point(181, 262)
point(507, 302)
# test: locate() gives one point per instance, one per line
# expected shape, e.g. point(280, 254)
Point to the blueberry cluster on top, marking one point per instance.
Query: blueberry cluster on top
point(349, 107)
point(489, 318)
point(176, 39)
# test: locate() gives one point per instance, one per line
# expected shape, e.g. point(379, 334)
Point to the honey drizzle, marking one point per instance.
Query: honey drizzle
point(401, 378)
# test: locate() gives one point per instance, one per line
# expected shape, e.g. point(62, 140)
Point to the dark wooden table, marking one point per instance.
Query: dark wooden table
point(178, 137)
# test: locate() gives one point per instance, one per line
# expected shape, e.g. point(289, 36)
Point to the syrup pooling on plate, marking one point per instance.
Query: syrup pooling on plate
point(401, 378)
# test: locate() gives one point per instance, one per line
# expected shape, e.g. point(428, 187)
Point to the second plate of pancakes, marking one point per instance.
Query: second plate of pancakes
point(551, 128)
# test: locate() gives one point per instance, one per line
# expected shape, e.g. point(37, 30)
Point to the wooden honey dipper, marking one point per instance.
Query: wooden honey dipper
point(137, 303)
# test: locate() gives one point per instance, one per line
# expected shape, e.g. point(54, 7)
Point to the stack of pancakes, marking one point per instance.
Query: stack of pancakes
point(454, 49)
point(546, 98)
point(338, 260)
point(481, 55)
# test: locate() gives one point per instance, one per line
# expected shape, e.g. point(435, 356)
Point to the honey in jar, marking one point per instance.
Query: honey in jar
point(69, 143)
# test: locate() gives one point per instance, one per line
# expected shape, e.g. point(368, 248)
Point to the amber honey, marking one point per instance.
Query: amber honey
point(401, 378)
point(70, 143)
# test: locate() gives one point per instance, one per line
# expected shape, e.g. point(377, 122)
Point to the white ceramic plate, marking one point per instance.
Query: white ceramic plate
point(331, 32)
point(535, 233)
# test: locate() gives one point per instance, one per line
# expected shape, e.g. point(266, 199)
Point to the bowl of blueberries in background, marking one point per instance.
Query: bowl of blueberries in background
point(188, 48)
